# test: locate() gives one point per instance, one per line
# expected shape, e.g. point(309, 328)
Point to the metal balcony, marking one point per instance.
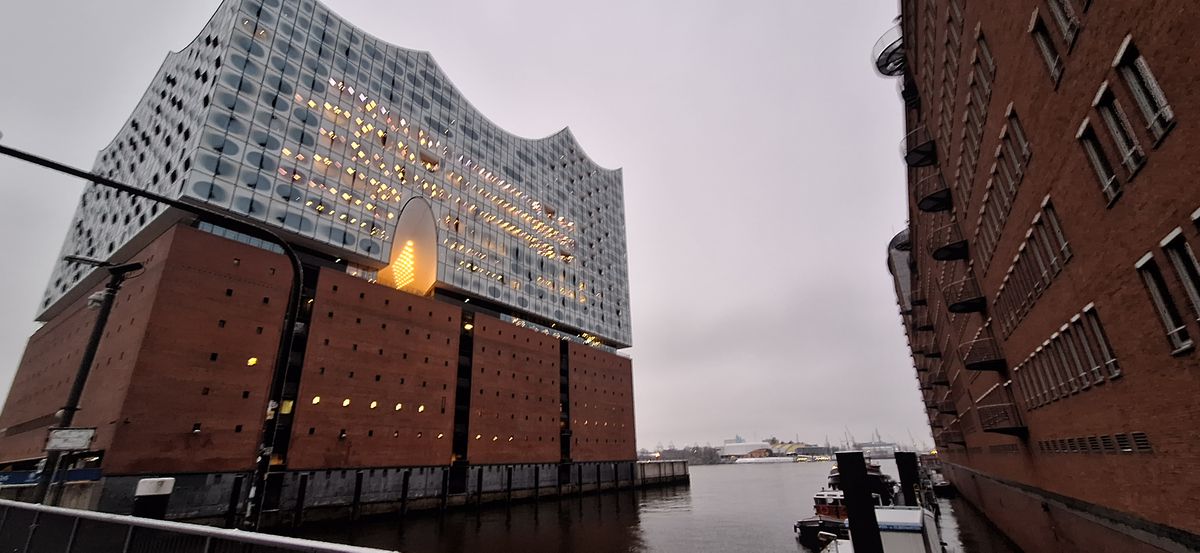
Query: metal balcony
point(918, 148)
point(952, 437)
point(921, 320)
point(946, 407)
point(946, 243)
point(938, 376)
point(932, 193)
point(909, 92)
point(1001, 418)
point(963, 296)
point(982, 355)
point(889, 52)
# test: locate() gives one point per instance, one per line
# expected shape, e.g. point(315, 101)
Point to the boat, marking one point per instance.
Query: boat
point(881, 484)
point(903, 529)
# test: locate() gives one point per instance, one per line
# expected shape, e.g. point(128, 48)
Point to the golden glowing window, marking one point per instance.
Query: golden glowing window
point(251, 361)
point(316, 400)
point(346, 402)
point(420, 408)
point(374, 404)
point(399, 406)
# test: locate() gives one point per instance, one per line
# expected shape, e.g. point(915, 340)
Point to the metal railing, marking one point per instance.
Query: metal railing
point(938, 376)
point(32, 528)
point(888, 52)
point(946, 243)
point(952, 437)
point(1002, 418)
point(946, 406)
point(932, 193)
point(964, 296)
point(982, 355)
point(918, 149)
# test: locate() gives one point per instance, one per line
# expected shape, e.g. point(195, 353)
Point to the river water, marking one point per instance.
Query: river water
point(727, 508)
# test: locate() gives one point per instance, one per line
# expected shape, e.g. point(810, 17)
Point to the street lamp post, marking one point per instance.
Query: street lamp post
point(271, 427)
point(117, 274)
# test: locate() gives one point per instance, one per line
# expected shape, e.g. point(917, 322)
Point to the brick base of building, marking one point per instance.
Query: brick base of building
point(346, 494)
point(1037, 520)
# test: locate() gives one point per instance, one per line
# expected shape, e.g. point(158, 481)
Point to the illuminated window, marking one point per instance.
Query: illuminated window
point(251, 361)
point(316, 400)
point(346, 402)
point(374, 404)
point(420, 408)
point(399, 406)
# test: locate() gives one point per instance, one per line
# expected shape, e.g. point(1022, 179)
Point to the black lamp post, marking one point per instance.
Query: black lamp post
point(117, 275)
point(271, 427)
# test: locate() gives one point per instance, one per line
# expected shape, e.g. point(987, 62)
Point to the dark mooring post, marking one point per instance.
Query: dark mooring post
point(864, 528)
point(910, 477)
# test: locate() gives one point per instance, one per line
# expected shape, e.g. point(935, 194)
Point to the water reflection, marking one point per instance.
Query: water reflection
point(607, 522)
point(726, 508)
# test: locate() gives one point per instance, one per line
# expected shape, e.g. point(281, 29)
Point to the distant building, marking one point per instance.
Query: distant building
point(796, 449)
point(1048, 281)
point(736, 450)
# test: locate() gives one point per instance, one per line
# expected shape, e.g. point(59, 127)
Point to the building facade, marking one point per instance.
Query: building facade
point(464, 290)
point(1047, 279)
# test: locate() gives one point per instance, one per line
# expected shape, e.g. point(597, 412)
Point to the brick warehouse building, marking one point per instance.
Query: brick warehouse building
point(1047, 280)
point(464, 290)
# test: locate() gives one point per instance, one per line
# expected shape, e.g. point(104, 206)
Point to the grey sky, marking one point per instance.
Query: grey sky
point(760, 153)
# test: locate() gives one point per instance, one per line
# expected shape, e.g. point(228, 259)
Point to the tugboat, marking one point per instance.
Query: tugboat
point(908, 528)
point(881, 484)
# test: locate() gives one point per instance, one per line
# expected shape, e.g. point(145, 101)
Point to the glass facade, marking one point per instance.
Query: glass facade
point(282, 113)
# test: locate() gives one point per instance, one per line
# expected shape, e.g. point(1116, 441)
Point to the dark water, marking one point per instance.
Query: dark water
point(726, 508)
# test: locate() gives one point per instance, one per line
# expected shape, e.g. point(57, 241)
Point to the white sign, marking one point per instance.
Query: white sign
point(70, 439)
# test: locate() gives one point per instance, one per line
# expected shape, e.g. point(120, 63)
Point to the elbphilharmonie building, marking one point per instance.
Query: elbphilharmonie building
point(283, 113)
point(462, 297)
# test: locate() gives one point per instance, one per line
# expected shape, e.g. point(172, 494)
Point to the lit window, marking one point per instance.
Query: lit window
point(251, 361)
point(477, 436)
point(399, 406)
point(346, 402)
point(316, 400)
point(374, 404)
point(420, 408)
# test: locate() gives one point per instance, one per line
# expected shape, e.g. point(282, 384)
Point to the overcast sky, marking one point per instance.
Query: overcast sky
point(762, 179)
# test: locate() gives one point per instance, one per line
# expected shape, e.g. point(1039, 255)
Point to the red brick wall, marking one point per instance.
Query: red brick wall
point(200, 295)
point(42, 382)
point(515, 394)
point(384, 346)
point(601, 405)
point(176, 382)
point(1156, 393)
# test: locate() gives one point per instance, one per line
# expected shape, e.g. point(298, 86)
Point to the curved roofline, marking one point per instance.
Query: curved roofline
point(161, 66)
point(446, 77)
